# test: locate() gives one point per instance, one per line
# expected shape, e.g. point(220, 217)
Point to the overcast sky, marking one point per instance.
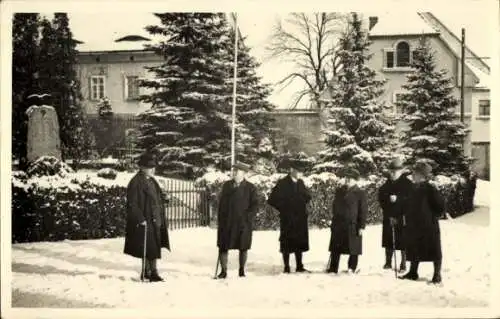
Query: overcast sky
point(98, 28)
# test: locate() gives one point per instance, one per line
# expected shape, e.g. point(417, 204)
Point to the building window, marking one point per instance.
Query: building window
point(396, 97)
point(97, 87)
point(403, 54)
point(132, 87)
point(400, 56)
point(484, 107)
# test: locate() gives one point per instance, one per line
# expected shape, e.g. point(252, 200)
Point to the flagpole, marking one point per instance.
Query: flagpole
point(235, 76)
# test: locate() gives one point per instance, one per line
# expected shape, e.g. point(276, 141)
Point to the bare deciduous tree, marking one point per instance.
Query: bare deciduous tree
point(310, 41)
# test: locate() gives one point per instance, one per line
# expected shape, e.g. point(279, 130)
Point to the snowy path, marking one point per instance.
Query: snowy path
point(95, 272)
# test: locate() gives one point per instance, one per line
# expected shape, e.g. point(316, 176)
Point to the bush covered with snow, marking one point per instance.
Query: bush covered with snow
point(323, 187)
point(112, 163)
point(107, 173)
point(48, 166)
point(75, 210)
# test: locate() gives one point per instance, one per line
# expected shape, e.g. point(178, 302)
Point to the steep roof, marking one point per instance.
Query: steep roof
point(104, 37)
point(407, 24)
point(454, 42)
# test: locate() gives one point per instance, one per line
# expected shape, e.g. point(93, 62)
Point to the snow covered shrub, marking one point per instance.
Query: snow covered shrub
point(48, 166)
point(66, 209)
point(104, 108)
point(107, 173)
point(98, 164)
point(323, 187)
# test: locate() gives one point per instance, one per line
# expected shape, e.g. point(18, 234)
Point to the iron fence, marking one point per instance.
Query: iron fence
point(188, 204)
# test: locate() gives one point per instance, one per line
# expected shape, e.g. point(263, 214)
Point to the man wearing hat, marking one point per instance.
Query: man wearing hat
point(426, 207)
point(349, 212)
point(393, 198)
point(290, 197)
point(238, 205)
point(146, 219)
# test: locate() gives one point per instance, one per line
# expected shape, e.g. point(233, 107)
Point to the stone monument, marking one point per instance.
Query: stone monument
point(43, 129)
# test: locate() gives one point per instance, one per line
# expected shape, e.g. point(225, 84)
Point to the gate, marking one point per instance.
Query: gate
point(188, 204)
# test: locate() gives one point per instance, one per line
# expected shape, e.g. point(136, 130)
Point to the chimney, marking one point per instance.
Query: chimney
point(373, 22)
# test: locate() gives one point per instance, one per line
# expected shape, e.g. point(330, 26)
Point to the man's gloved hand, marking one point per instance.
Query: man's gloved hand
point(393, 221)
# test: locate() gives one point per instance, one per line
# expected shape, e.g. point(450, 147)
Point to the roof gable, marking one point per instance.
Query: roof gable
point(413, 24)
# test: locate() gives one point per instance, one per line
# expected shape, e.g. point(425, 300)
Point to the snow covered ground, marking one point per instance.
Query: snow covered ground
point(95, 273)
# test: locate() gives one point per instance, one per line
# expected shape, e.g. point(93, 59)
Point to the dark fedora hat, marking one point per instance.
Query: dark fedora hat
point(423, 168)
point(396, 163)
point(242, 166)
point(147, 160)
point(348, 172)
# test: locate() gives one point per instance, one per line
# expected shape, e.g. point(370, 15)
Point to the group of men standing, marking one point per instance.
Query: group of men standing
point(411, 213)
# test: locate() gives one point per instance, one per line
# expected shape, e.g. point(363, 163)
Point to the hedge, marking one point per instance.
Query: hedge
point(87, 211)
point(456, 192)
point(65, 208)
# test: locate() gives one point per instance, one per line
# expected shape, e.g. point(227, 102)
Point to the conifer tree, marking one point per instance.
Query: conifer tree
point(58, 77)
point(434, 133)
point(358, 134)
point(25, 53)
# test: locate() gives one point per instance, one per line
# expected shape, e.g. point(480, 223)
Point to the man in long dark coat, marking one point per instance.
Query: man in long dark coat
point(290, 197)
point(237, 208)
point(423, 235)
point(393, 198)
point(146, 214)
point(349, 212)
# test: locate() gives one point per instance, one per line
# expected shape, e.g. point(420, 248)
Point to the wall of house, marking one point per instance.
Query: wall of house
point(444, 60)
point(115, 66)
point(480, 125)
point(480, 135)
point(299, 131)
point(396, 78)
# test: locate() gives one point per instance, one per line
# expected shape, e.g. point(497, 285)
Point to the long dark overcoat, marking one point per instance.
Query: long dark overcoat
point(237, 208)
point(423, 236)
point(349, 212)
point(402, 188)
point(290, 199)
point(145, 203)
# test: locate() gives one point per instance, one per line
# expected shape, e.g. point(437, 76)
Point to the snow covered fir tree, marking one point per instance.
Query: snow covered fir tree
point(358, 134)
point(434, 133)
point(189, 123)
point(60, 80)
point(25, 52)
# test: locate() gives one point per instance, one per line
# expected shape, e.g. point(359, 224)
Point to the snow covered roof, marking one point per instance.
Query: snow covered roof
point(131, 35)
point(484, 78)
point(403, 24)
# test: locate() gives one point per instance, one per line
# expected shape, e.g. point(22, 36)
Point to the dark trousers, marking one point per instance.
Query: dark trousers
point(150, 267)
point(437, 267)
point(352, 263)
point(298, 259)
point(388, 257)
point(223, 257)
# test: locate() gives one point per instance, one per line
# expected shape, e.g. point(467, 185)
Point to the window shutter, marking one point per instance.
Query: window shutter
point(125, 87)
point(389, 59)
point(104, 87)
point(90, 88)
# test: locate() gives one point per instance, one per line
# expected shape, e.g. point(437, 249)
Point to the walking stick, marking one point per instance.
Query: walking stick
point(217, 266)
point(394, 251)
point(329, 263)
point(143, 277)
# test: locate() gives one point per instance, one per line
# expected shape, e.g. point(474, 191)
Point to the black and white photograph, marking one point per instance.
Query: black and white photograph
point(254, 161)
